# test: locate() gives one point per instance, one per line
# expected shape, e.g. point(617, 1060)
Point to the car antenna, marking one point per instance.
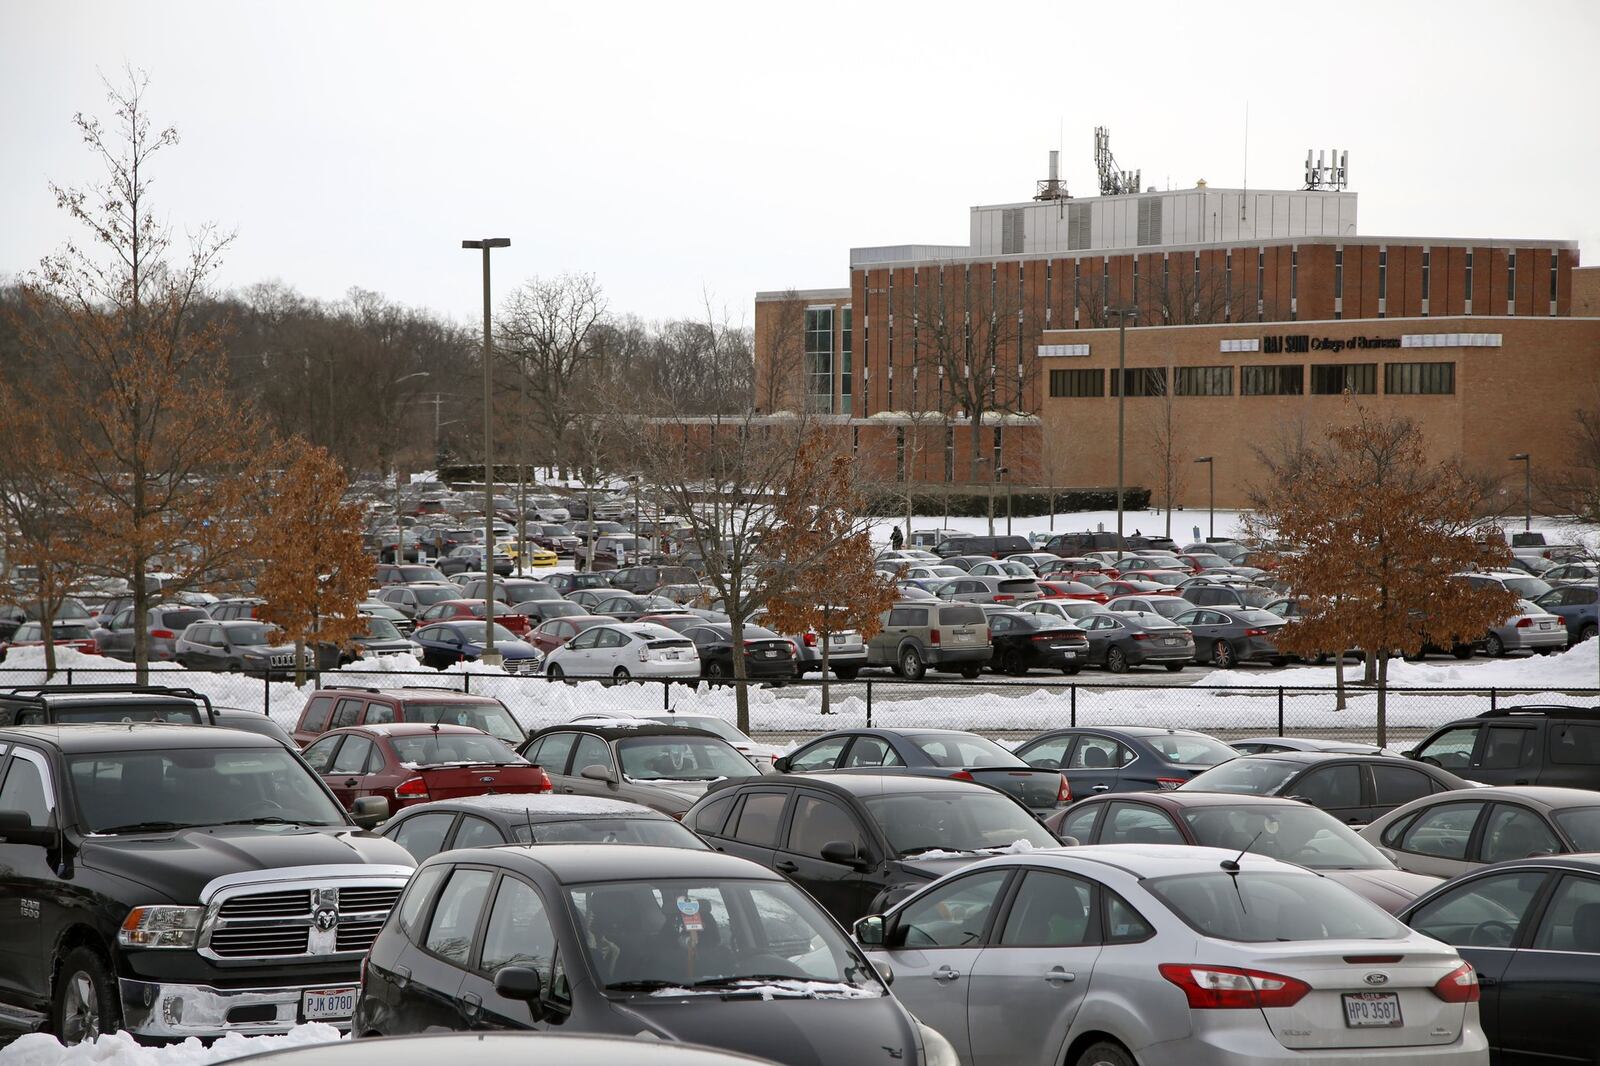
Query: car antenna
point(1232, 865)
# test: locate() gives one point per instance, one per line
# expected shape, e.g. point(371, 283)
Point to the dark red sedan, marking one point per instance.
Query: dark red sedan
point(1071, 590)
point(550, 635)
point(415, 762)
point(462, 610)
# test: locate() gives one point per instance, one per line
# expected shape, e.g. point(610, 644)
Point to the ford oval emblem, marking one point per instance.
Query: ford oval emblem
point(1376, 978)
point(486, 780)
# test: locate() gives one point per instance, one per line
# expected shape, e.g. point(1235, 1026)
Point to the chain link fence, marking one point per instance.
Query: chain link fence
point(1004, 709)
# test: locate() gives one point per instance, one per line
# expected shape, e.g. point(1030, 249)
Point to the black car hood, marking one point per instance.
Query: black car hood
point(786, 1029)
point(179, 864)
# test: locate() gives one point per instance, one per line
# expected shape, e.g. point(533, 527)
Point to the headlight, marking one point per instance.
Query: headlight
point(936, 1050)
point(160, 927)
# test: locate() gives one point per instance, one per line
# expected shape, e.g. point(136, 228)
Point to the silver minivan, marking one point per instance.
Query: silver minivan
point(924, 634)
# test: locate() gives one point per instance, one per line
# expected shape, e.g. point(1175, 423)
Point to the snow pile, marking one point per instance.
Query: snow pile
point(120, 1049)
point(1574, 667)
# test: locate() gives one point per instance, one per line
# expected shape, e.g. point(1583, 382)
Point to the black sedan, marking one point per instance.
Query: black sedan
point(1531, 928)
point(1133, 758)
point(931, 753)
point(1353, 788)
point(568, 582)
point(767, 655)
point(489, 821)
point(1024, 642)
point(862, 842)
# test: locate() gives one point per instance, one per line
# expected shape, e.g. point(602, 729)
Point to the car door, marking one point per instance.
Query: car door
point(1102, 630)
point(347, 772)
point(1027, 985)
point(32, 903)
point(1138, 823)
point(517, 932)
point(577, 655)
point(932, 944)
point(1512, 831)
point(1337, 788)
point(423, 835)
point(818, 755)
point(753, 827)
point(1451, 750)
point(551, 753)
point(1438, 839)
point(867, 751)
point(1549, 990)
point(118, 639)
point(1094, 766)
point(607, 654)
point(1508, 754)
point(1049, 753)
point(1202, 624)
point(843, 889)
point(440, 967)
point(1395, 785)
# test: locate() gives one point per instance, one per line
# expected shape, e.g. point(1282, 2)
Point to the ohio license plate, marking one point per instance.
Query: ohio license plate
point(1372, 1010)
point(836, 639)
point(1170, 640)
point(324, 1003)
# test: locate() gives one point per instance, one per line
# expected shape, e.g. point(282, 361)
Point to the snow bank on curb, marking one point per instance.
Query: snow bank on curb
point(1574, 667)
point(120, 1049)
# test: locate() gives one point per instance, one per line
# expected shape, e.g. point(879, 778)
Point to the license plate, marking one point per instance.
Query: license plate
point(1069, 655)
point(769, 654)
point(836, 639)
point(1547, 625)
point(1170, 640)
point(324, 1003)
point(1372, 1010)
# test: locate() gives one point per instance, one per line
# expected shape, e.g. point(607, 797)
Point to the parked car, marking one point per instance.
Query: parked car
point(415, 762)
point(767, 656)
point(386, 611)
point(1280, 828)
point(164, 625)
point(377, 636)
point(936, 571)
point(1074, 611)
point(13, 615)
point(624, 650)
point(1165, 606)
point(550, 635)
point(1131, 758)
point(29, 705)
point(540, 611)
point(1227, 636)
point(679, 944)
point(664, 767)
point(1024, 642)
point(470, 557)
point(1531, 930)
point(410, 600)
point(1525, 586)
point(989, 589)
point(571, 581)
point(1449, 835)
point(1531, 628)
point(397, 574)
point(1122, 641)
point(1009, 567)
point(1578, 607)
point(646, 579)
point(762, 755)
point(943, 636)
point(847, 651)
point(464, 609)
point(498, 1049)
point(1266, 745)
point(1070, 590)
point(1353, 788)
point(994, 547)
point(1228, 595)
point(426, 829)
point(235, 608)
point(338, 706)
point(1527, 744)
point(860, 842)
point(74, 635)
point(1570, 574)
point(610, 553)
point(445, 643)
point(511, 590)
point(247, 648)
point(948, 753)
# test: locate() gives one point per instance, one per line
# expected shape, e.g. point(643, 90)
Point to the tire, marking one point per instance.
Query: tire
point(1011, 663)
point(620, 676)
point(1545, 651)
point(1494, 647)
point(1175, 667)
point(1461, 651)
point(846, 673)
point(553, 672)
point(1589, 631)
point(84, 1002)
point(713, 672)
point(1071, 669)
point(1105, 1054)
point(972, 670)
point(1222, 655)
point(1116, 660)
point(911, 665)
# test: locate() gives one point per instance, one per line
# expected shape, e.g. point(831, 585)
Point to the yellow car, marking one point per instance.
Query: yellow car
point(536, 556)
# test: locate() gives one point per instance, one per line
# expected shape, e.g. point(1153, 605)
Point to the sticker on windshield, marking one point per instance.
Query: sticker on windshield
point(687, 906)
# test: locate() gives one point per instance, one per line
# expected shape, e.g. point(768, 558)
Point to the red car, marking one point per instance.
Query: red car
point(550, 635)
point(1128, 587)
point(1071, 590)
point(453, 610)
point(415, 762)
point(74, 635)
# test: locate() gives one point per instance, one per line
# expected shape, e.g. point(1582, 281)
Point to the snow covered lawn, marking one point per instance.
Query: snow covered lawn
point(120, 1049)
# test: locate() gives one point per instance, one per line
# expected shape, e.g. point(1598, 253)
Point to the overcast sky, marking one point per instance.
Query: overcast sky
point(675, 150)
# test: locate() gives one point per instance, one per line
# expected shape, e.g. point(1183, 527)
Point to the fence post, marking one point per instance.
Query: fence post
point(1493, 699)
point(266, 693)
point(69, 675)
point(466, 682)
point(666, 696)
point(1280, 710)
point(869, 703)
point(1074, 703)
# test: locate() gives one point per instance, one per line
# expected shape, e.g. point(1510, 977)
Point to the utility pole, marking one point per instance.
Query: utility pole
point(489, 657)
point(1211, 506)
point(1122, 314)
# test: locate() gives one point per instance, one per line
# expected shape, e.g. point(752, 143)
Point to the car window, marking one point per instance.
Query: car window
point(713, 815)
point(378, 713)
point(908, 616)
point(519, 932)
point(318, 754)
point(1330, 787)
point(872, 751)
point(352, 757)
point(1136, 823)
point(316, 716)
point(1394, 785)
point(1514, 832)
point(1507, 747)
point(585, 639)
point(953, 915)
point(423, 835)
point(1572, 920)
point(1451, 749)
point(963, 750)
point(1081, 823)
point(591, 751)
point(1442, 831)
point(415, 902)
point(612, 638)
point(820, 756)
point(1484, 912)
point(552, 751)
point(474, 832)
point(818, 821)
point(24, 790)
point(1095, 753)
point(1050, 910)
point(346, 713)
point(1048, 754)
point(455, 917)
point(759, 817)
point(1575, 744)
point(1124, 925)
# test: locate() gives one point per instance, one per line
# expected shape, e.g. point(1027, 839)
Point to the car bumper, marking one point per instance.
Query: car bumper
point(1178, 653)
point(685, 668)
point(168, 1011)
point(522, 667)
point(948, 656)
point(1522, 639)
point(1247, 1042)
point(849, 655)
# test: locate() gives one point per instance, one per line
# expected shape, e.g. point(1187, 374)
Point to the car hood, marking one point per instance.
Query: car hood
point(665, 795)
point(1392, 890)
point(249, 650)
point(179, 864)
point(785, 1029)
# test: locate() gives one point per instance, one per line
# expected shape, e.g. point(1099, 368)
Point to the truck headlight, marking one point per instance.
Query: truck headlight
point(936, 1050)
point(161, 927)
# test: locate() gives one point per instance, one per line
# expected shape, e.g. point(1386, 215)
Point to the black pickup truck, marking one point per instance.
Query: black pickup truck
point(177, 880)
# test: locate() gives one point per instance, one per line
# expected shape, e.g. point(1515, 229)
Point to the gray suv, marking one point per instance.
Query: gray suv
point(165, 624)
point(944, 636)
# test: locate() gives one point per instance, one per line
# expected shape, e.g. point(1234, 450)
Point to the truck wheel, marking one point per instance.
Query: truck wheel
point(846, 673)
point(84, 1004)
point(911, 665)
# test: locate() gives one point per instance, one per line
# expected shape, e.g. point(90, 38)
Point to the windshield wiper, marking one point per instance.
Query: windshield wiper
point(267, 819)
point(146, 827)
point(648, 985)
point(909, 852)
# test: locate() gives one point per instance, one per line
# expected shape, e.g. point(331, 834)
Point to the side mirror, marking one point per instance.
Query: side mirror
point(885, 971)
point(870, 931)
point(1411, 753)
point(370, 811)
point(781, 764)
point(16, 827)
point(842, 852)
point(596, 772)
point(519, 983)
point(1071, 842)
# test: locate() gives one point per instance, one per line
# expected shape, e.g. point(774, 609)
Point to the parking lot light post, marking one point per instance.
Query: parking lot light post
point(1122, 314)
point(489, 656)
point(1527, 487)
point(1211, 505)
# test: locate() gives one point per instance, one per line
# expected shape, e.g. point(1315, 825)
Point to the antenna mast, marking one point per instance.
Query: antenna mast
point(1113, 182)
point(1333, 175)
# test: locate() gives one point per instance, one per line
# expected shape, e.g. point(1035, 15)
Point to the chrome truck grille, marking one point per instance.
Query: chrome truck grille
point(307, 912)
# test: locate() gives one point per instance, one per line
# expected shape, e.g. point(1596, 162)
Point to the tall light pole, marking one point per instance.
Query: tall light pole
point(490, 656)
point(1527, 487)
point(1211, 507)
point(1122, 314)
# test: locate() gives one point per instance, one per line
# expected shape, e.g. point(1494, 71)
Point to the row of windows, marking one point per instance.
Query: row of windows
point(1334, 379)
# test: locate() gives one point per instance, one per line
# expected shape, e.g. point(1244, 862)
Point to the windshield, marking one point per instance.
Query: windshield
point(251, 636)
point(661, 832)
point(1251, 776)
point(492, 718)
point(1582, 824)
point(937, 821)
point(705, 722)
point(59, 631)
point(1191, 749)
point(183, 618)
point(445, 749)
point(181, 713)
point(473, 631)
point(1301, 835)
point(1526, 587)
point(964, 750)
point(1260, 906)
point(428, 595)
point(643, 936)
point(681, 759)
point(380, 629)
point(420, 573)
point(125, 791)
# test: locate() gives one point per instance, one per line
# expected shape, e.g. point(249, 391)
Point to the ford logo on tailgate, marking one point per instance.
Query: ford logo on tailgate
point(1376, 978)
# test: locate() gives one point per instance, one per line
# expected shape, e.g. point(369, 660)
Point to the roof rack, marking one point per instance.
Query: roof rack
point(400, 688)
point(1543, 710)
point(37, 693)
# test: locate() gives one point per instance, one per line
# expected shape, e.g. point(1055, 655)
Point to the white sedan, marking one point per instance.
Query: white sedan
point(623, 651)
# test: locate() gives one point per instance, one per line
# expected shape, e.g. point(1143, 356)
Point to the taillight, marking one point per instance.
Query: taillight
point(414, 789)
point(1042, 636)
point(542, 783)
point(1169, 783)
point(1003, 597)
point(1226, 988)
point(1063, 792)
point(1524, 623)
point(961, 775)
point(1141, 636)
point(164, 634)
point(933, 636)
point(644, 655)
point(1460, 985)
point(1255, 632)
point(811, 640)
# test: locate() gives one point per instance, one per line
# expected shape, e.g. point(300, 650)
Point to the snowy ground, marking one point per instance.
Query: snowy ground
point(120, 1049)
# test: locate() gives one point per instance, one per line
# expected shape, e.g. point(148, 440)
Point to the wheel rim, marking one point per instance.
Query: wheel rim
point(80, 1010)
point(1495, 646)
point(1223, 653)
point(621, 674)
point(909, 662)
point(714, 670)
point(1116, 660)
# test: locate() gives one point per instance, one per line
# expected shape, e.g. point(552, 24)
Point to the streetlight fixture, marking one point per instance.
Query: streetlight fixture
point(489, 656)
point(1211, 507)
point(1527, 487)
point(1122, 315)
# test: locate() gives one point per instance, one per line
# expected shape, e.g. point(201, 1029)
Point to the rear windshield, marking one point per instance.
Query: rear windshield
point(1293, 832)
point(1191, 749)
point(427, 595)
point(1582, 824)
point(182, 619)
point(689, 758)
point(962, 616)
point(661, 832)
point(1253, 776)
point(420, 573)
point(184, 713)
point(492, 718)
point(1261, 906)
point(442, 749)
point(1253, 617)
point(252, 636)
point(964, 750)
point(1526, 586)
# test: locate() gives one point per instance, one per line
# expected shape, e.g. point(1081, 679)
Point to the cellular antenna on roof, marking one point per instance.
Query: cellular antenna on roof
point(1113, 182)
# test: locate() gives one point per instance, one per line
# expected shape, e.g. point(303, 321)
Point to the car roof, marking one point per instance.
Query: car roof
point(1149, 860)
point(1309, 757)
point(869, 784)
point(541, 806)
point(1546, 796)
point(406, 692)
point(1127, 730)
point(406, 729)
point(577, 863)
point(90, 699)
point(616, 729)
point(1176, 799)
point(132, 736)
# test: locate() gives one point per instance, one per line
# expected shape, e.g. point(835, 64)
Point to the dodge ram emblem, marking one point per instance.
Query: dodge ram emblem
point(325, 918)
